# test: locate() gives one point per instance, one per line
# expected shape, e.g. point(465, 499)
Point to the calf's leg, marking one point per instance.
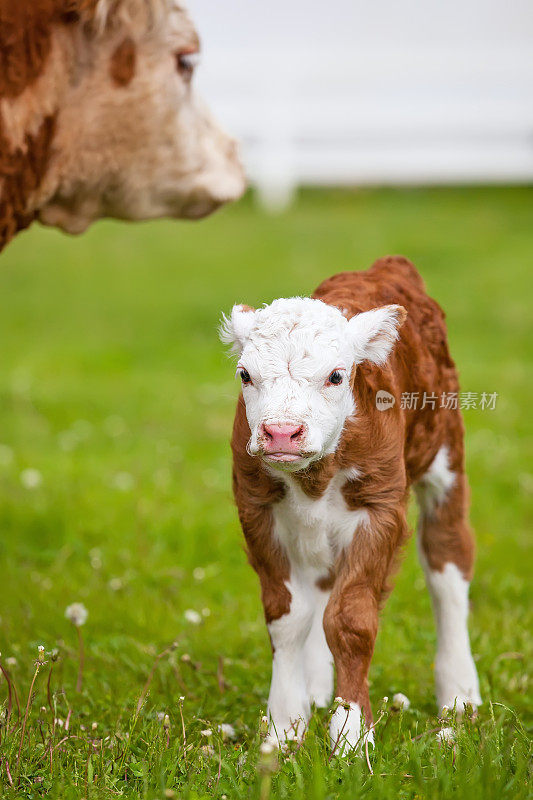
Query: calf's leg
point(351, 617)
point(446, 549)
point(351, 625)
point(288, 701)
point(318, 661)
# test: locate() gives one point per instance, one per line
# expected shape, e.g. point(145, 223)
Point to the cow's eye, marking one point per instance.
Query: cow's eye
point(245, 376)
point(186, 63)
point(335, 378)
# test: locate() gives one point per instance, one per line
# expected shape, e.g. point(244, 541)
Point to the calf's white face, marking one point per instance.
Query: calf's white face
point(295, 361)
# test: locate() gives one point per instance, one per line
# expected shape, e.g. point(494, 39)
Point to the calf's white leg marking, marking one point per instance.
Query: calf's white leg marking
point(288, 701)
point(455, 673)
point(346, 730)
point(318, 661)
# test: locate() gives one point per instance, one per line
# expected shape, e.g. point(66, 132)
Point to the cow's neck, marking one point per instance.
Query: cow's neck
point(27, 126)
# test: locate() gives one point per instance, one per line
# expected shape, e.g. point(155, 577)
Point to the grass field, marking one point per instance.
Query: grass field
point(116, 404)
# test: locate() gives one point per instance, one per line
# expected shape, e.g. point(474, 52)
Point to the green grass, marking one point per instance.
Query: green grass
point(114, 387)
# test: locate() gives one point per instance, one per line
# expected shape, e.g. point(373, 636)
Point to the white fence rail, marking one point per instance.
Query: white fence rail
point(439, 93)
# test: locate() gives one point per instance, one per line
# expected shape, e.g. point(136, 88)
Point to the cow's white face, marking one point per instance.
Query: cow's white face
point(132, 141)
point(295, 361)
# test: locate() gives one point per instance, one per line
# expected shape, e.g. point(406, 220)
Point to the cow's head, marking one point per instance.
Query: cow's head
point(126, 136)
point(296, 357)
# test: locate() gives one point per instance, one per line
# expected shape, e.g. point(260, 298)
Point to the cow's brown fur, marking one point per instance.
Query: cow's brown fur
point(26, 28)
point(21, 172)
point(391, 451)
point(25, 38)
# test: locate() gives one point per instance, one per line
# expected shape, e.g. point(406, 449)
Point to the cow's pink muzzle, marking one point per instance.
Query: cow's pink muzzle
point(282, 442)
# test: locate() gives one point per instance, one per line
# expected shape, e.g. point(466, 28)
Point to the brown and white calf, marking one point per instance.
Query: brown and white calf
point(321, 480)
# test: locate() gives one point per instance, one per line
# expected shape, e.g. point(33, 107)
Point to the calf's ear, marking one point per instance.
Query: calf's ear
point(373, 333)
point(235, 329)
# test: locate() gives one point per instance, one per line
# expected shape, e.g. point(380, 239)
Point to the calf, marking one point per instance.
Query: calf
point(324, 454)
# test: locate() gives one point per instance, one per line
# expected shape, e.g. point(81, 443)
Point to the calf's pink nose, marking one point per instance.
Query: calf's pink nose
point(282, 438)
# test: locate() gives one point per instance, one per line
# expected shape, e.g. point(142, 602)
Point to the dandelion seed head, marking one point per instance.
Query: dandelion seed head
point(227, 731)
point(192, 616)
point(77, 614)
point(31, 478)
point(400, 701)
point(6, 455)
point(268, 747)
point(446, 736)
point(115, 426)
point(123, 481)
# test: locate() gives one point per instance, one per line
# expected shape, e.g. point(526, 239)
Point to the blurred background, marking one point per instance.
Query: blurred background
point(357, 93)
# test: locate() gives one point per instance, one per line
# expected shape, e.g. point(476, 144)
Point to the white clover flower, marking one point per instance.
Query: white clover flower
point(77, 614)
point(446, 736)
point(400, 701)
point(227, 731)
point(193, 617)
point(208, 750)
point(115, 584)
point(206, 612)
point(160, 716)
point(208, 732)
point(198, 573)
point(31, 478)
point(182, 699)
point(11, 661)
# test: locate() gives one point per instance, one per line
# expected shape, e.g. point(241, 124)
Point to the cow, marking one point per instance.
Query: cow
point(98, 117)
point(325, 449)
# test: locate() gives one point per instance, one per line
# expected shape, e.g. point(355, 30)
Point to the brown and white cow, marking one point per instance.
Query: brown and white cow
point(98, 119)
point(324, 455)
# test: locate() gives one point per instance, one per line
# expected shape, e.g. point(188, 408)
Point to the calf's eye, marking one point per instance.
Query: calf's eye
point(245, 376)
point(335, 378)
point(185, 64)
